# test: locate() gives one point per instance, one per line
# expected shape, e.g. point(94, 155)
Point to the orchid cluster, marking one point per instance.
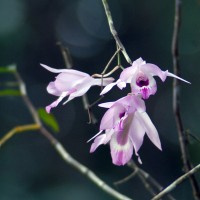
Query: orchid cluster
point(125, 122)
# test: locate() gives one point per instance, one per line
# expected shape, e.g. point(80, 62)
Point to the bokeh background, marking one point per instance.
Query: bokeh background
point(30, 169)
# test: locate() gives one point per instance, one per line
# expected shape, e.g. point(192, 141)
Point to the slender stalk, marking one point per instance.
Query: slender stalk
point(18, 129)
point(114, 32)
point(178, 181)
point(148, 181)
point(183, 139)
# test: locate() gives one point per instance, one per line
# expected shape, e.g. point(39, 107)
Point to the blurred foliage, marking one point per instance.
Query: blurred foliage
point(10, 92)
point(49, 120)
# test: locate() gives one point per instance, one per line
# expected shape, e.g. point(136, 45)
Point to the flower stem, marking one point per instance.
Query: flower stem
point(114, 32)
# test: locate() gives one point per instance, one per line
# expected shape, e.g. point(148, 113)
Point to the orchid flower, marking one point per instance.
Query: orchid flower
point(125, 124)
point(71, 83)
point(140, 76)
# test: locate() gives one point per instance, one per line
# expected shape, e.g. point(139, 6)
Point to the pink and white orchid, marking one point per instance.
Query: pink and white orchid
point(140, 76)
point(125, 124)
point(71, 83)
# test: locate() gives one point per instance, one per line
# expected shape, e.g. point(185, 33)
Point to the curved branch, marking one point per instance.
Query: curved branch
point(183, 139)
point(176, 183)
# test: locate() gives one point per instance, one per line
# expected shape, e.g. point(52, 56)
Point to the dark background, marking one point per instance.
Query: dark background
point(29, 167)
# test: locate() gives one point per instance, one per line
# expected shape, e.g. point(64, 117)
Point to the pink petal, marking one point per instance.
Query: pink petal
point(146, 90)
point(127, 74)
point(120, 154)
point(154, 71)
point(111, 117)
point(55, 103)
point(66, 81)
point(70, 71)
point(136, 134)
point(51, 89)
point(102, 139)
point(139, 104)
point(81, 88)
point(150, 129)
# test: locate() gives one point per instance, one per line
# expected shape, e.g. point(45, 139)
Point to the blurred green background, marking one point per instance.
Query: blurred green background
point(30, 169)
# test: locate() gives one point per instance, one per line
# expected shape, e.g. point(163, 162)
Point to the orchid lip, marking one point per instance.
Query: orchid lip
point(142, 83)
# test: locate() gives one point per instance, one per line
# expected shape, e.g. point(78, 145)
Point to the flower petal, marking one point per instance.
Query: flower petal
point(55, 103)
point(136, 134)
point(112, 117)
point(51, 89)
point(174, 76)
point(106, 105)
point(150, 129)
point(127, 74)
point(69, 71)
point(102, 139)
point(120, 153)
point(81, 88)
point(145, 90)
point(108, 88)
point(104, 81)
point(154, 71)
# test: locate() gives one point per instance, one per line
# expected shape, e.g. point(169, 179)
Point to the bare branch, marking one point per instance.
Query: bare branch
point(148, 181)
point(18, 129)
point(176, 183)
point(183, 139)
point(57, 145)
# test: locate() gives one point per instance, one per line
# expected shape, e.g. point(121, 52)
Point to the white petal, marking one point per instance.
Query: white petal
point(136, 134)
point(102, 139)
point(106, 105)
point(104, 81)
point(108, 88)
point(174, 76)
point(70, 71)
point(55, 103)
point(51, 89)
point(121, 153)
point(149, 128)
point(95, 136)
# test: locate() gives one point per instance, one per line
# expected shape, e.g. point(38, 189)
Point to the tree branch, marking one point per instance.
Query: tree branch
point(148, 181)
point(176, 183)
point(57, 145)
point(183, 139)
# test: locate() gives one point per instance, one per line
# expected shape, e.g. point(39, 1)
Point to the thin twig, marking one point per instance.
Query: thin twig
point(108, 74)
point(124, 180)
point(109, 62)
point(66, 55)
point(183, 140)
point(148, 181)
point(58, 146)
point(18, 129)
point(178, 181)
point(114, 32)
point(87, 106)
point(187, 132)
